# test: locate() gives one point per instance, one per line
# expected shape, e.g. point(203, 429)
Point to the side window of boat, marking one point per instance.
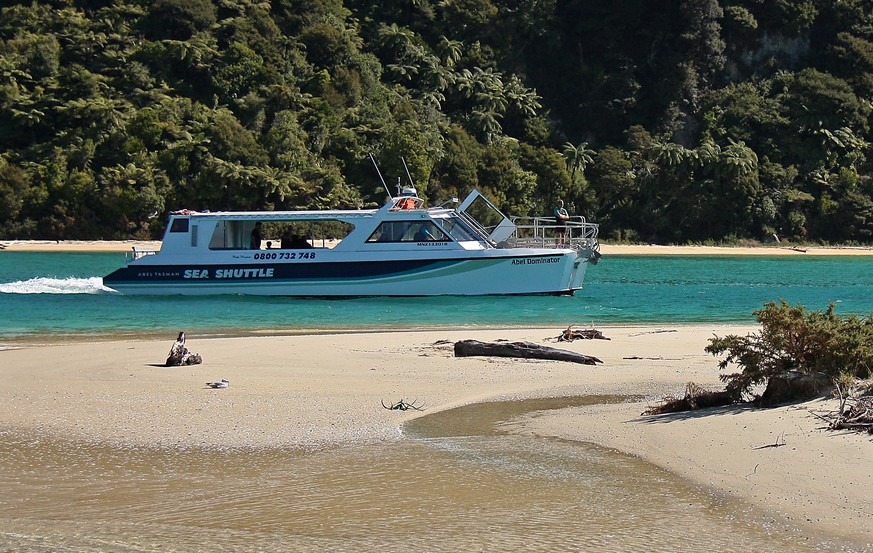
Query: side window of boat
point(394, 231)
point(427, 231)
point(179, 225)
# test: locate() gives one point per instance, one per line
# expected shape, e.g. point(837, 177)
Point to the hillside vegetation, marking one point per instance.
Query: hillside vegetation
point(665, 121)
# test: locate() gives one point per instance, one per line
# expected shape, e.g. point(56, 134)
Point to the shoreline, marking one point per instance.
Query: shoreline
point(606, 249)
point(48, 339)
point(315, 390)
point(781, 459)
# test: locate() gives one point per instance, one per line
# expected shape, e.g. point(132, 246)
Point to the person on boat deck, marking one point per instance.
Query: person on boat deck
point(257, 236)
point(561, 218)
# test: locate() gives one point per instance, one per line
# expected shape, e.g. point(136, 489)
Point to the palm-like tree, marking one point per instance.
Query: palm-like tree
point(12, 76)
point(403, 71)
point(707, 155)
point(434, 75)
point(737, 160)
point(486, 123)
point(491, 100)
point(670, 154)
point(450, 50)
point(433, 98)
point(843, 141)
point(523, 99)
point(197, 52)
point(479, 81)
point(578, 157)
point(396, 38)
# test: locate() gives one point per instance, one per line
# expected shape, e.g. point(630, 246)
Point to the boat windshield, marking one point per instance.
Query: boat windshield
point(458, 230)
point(485, 216)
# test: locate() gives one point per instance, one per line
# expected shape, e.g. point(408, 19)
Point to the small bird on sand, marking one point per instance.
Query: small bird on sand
point(220, 384)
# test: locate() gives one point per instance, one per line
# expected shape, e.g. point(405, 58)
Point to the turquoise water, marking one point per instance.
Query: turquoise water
point(62, 293)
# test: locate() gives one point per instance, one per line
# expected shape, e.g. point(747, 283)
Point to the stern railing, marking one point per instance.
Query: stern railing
point(137, 252)
point(544, 232)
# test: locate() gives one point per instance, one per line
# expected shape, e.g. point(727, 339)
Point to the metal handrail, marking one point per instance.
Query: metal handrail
point(543, 232)
point(137, 253)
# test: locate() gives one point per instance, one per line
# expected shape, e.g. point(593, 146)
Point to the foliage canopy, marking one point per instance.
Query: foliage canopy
point(696, 120)
point(794, 339)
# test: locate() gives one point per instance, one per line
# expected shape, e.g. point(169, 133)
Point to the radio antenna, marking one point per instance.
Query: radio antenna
point(380, 175)
point(407, 172)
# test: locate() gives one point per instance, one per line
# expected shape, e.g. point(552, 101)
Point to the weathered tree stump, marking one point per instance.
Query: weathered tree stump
point(525, 350)
point(793, 386)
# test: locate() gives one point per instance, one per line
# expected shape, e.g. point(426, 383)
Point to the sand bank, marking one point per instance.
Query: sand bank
point(325, 389)
point(606, 249)
point(77, 245)
point(781, 459)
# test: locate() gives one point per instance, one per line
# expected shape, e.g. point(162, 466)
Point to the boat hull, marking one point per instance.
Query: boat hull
point(537, 272)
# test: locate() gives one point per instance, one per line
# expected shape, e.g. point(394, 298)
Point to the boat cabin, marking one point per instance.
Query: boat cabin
point(402, 223)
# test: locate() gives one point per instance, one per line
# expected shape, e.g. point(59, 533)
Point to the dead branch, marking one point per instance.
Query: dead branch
point(651, 332)
point(403, 405)
point(580, 333)
point(780, 441)
point(858, 415)
point(695, 398)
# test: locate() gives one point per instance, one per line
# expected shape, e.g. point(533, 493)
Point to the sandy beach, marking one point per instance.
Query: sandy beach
point(316, 390)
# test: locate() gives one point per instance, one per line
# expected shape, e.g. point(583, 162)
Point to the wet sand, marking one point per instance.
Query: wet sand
point(313, 391)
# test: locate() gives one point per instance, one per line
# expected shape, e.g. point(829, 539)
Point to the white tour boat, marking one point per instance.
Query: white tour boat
point(402, 249)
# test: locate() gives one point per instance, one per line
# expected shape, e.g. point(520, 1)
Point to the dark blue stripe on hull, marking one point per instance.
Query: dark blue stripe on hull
point(268, 272)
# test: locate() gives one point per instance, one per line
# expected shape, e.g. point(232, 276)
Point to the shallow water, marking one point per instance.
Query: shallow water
point(62, 294)
point(454, 482)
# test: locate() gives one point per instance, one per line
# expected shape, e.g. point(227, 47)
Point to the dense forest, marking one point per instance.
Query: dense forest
point(668, 121)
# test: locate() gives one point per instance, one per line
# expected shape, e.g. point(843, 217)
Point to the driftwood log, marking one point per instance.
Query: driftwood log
point(581, 333)
point(526, 350)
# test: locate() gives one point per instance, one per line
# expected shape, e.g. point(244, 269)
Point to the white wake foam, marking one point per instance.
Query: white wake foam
point(45, 285)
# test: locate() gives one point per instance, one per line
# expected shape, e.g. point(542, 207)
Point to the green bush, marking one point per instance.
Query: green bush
point(794, 339)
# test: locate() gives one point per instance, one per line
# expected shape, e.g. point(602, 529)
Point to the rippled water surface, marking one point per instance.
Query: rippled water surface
point(453, 484)
point(62, 293)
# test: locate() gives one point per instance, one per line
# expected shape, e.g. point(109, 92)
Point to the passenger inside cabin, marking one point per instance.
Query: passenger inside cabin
point(257, 236)
point(294, 241)
point(423, 234)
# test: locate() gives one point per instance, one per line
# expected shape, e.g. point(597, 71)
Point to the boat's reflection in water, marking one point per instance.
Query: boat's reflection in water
point(454, 484)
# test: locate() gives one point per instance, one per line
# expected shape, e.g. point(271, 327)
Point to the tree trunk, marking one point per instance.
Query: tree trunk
point(526, 350)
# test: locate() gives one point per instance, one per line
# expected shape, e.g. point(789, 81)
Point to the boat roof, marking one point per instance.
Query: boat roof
point(346, 214)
